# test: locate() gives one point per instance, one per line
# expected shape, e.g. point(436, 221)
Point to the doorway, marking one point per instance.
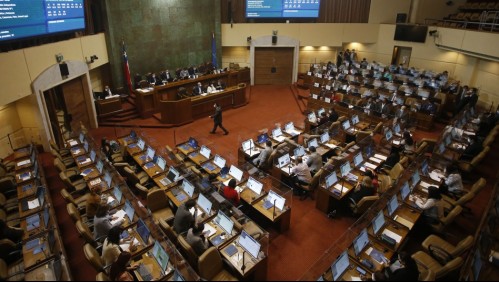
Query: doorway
point(66, 108)
point(274, 65)
point(401, 56)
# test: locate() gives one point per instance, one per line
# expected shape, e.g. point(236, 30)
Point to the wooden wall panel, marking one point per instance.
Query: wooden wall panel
point(268, 57)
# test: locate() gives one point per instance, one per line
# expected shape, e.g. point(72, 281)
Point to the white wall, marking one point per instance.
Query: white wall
point(385, 11)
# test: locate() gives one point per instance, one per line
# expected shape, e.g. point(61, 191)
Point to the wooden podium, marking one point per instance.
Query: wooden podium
point(176, 112)
point(107, 107)
point(147, 102)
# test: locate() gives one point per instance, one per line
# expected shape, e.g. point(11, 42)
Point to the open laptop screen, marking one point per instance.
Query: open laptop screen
point(236, 173)
point(219, 161)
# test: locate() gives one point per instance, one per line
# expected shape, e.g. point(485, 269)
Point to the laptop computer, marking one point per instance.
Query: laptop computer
point(34, 203)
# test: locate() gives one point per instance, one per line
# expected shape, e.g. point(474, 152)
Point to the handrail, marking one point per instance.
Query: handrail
point(465, 24)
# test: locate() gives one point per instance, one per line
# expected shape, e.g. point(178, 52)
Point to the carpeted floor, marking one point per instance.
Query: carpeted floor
point(292, 253)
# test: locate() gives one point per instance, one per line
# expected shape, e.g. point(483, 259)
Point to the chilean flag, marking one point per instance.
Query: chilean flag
point(126, 69)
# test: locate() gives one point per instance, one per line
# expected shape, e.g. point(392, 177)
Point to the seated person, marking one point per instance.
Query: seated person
point(183, 218)
point(323, 119)
point(264, 155)
point(102, 222)
point(7, 232)
point(433, 209)
point(429, 107)
point(136, 80)
point(392, 159)
point(409, 144)
point(154, 81)
point(111, 246)
point(230, 192)
point(301, 173)
point(363, 189)
point(472, 150)
point(198, 89)
point(166, 76)
point(184, 73)
point(107, 91)
point(191, 71)
point(402, 268)
point(314, 160)
point(370, 173)
point(121, 270)
point(453, 183)
point(220, 85)
point(211, 88)
point(197, 240)
point(333, 116)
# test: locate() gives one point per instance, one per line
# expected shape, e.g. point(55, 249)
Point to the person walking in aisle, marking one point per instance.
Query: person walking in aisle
point(217, 120)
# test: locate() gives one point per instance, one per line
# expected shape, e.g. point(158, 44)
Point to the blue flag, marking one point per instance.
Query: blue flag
point(213, 50)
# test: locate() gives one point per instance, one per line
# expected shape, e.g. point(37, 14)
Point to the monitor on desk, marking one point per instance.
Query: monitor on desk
point(46, 215)
point(276, 200)
point(188, 187)
point(360, 242)
point(81, 137)
point(331, 179)
point(441, 148)
point(405, 190)
point(99, 166)
point(396, 128)
point(388, 135)
point(346, 124)
point(340, 265)
point(313, 142)
point(357, 159)
point(320, 111)
point(161, 163)
point(177, 276)
point(224, 222)
point(205, 151)
point(92, 155)
point(129, 211)
point(276, 132)
point(141, 144)
point(117, 193)
point(369, 151)
point(325, 137)
point(447, 140)
point(150, 152)
point(248, 145)
point(204, 204)
point(85, 146)
point(289, 126)
point(143, 231)
point(262, 138)
point(133, 134)
point(219, 161)
point(355, 119)
point(345, 169)
point(299, 151)
point(236, 173)
point(254, 185)
point(378, 222)
point(312, 117)
point(249, 244)
point(477, 264)
point(173, 174)
point(393, 205)
point(193, 142)
point(415, 178)
point(160, 256)
point(283, 160)
point(108, 179)
point(423, 93)
point(425, 168)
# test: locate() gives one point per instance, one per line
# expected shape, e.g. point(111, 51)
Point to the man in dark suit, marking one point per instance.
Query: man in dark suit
point(198, 89)
point(220, 85)
point(384, 108)
point(217, 120)
point(166, 76)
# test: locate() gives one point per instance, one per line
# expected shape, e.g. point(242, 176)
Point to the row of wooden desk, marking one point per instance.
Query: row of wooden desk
point(43, 253)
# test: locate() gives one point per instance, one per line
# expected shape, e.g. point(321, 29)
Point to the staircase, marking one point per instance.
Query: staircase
point(128, 112)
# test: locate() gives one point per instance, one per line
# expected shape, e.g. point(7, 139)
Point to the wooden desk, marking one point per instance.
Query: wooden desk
point(185, 148)
point(38, 253)
point(281, 218)
point(424, 121)
point(154, 268)
point(394, 227)
point(350, 274)
point(48, 272)
point(405, 214)
point(106, 107)
point(147, 102)
point(24, 166)
point(327, 198)
point(215, 239)
point(27, 189)
point(197, 158)
point(256, 268)
point(77, 151)
point(387, 253)
point(183, 111)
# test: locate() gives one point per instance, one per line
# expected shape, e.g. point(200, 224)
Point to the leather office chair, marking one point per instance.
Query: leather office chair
point(395, 172)
point(158, 204)
point(349, 145)
point(426, 262)
point(8, 186)
point(67, 161)
point(9, 251)
point(12, 272)
point(76, 186)
point(70, 172)
point(134, 178)
point(385, 183)
point(94, 258)
point(142, 190)
point(169, 232)
point(430, 144)
point(86, 234)
point(469, 166)
point(309, 189)
point(404, 161)
point(478, 186)
point(120, 167)
point(187, 251)
point(377, 129)
point(79, 202)
point(63, 152)
point(453, 251)
point(422, 148)
point(75, 214)
point(210, 267)
point(446, 220)
point(341, 119)
point(427, 275)
point(363, 205)
point(101, 276)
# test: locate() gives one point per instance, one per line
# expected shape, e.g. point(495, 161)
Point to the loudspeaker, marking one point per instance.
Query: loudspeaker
point(401, 18)
point(273, 69)
point(274, 39)
point(64, 69)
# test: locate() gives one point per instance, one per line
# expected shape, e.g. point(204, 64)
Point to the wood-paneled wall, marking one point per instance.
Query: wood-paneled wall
point(278, 58)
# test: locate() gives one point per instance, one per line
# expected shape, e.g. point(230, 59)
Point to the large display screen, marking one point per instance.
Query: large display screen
point(282, 8)
point(23, 18)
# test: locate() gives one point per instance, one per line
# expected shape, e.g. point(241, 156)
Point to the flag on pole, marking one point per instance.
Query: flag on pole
point(126, 68)
point(213, 51)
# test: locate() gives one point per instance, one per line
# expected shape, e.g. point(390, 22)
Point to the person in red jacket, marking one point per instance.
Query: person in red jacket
point(230, 192)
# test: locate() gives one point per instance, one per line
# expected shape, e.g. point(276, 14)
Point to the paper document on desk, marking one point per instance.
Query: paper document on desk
point(33, 204)
point(330, 145)
point(355, 278)
point(370, 165)
point(120, 215)
point(193, 210)
point(425, 185)
point(126, 246)
point(404, 222)
point(209, 230)
point(375, 160)
point(381, 157)
point(392, 235)
point(375, 254)
point(396, 142)
point(73, 143)
point(252, 152)
point(339, 187)
point(203, 94)
point(21, 163)
point(110, 199)
point(280, 138)
point(239, 189)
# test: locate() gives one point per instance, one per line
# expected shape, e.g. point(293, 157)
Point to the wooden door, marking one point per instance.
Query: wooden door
point(274, 65)
point(76, 107)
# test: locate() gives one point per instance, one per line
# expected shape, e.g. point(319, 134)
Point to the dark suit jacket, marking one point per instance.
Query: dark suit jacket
point(197, 90)
point(217, 117)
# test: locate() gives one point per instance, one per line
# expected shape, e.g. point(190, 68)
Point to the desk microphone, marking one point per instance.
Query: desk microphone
point(243, 267)
point(273, 210)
